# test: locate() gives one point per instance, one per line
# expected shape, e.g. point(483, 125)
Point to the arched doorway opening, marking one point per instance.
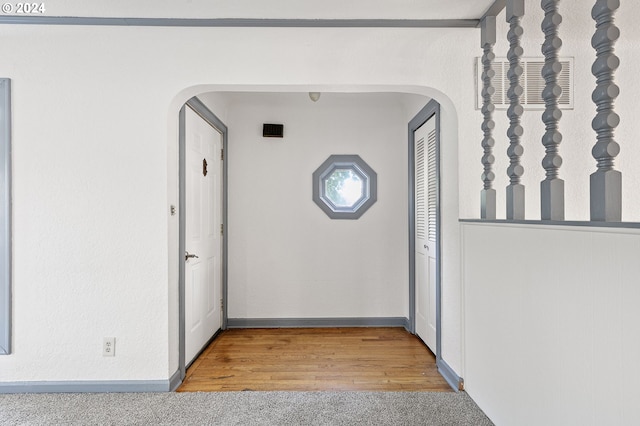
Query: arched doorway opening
point(250, 109)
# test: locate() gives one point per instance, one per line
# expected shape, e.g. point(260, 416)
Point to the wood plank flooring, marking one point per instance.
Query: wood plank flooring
point(313, 359)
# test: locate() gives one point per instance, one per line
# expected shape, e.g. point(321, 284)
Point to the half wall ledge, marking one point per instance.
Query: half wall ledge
point(593, 224)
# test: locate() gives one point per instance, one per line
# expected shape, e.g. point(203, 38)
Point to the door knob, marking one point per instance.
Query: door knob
point(188, 256)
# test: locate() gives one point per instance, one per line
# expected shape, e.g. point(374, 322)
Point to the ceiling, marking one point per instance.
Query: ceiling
point(274, 9)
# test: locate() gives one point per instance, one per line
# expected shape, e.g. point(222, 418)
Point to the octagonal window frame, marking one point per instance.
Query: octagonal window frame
point(359, 167)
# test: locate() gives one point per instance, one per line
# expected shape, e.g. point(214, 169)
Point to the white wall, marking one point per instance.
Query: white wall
point(287, 258)
point(552, 323)
point(95, 165)
point(578, 138)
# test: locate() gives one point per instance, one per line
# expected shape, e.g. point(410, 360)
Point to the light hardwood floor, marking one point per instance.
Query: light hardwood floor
point(312, 359)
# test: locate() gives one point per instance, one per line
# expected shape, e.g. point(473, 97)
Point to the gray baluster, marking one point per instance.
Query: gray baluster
point(606, 183)
point(488, 194)
point(515, 190)
point(552, 187)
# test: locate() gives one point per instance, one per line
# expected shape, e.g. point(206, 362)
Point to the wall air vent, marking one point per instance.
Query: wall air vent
point(272, 130)
point(531, 80)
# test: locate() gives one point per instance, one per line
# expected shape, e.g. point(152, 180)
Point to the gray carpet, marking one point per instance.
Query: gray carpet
point(242, 408)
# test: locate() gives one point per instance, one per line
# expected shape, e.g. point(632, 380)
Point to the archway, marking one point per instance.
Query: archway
point(419, 96)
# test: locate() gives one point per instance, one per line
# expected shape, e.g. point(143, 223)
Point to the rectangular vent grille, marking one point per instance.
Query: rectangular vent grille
point(272, 130)
point(531, 81)
point(421, 217)
point(432, 185)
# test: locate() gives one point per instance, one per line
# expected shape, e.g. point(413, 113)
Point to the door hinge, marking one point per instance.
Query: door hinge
point(222, 229)
point(222, 154)
point(222, 304)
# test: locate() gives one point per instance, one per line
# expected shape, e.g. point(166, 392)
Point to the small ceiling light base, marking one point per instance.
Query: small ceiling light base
point(314, 96)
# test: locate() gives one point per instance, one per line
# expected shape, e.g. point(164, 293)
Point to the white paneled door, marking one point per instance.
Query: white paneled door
point(425, 232)
point(203, 233)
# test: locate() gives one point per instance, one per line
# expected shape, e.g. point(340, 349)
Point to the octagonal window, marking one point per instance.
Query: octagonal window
point(344, 186)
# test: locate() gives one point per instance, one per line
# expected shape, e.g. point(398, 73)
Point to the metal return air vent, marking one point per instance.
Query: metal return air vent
point(531, 80)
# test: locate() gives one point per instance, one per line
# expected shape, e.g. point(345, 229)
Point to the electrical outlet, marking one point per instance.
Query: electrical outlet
point(109, 346)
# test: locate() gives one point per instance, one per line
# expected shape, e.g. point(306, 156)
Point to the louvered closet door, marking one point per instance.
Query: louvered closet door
point(425, 232)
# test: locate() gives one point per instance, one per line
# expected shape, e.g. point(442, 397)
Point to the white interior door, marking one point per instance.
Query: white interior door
point(425, 232)
point(203, 239)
